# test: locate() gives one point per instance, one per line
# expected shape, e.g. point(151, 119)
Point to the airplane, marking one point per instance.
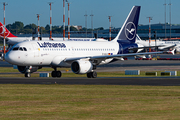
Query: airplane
point(82, 57)
point(12, 39)
point(174, 46)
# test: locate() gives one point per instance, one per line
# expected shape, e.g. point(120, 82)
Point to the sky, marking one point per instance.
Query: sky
point(26, 11)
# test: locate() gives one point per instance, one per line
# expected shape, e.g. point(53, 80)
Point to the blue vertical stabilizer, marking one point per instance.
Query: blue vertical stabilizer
point(127, 34)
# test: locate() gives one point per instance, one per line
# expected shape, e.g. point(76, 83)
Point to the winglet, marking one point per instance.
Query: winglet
point(170, 52)
point(129, 29)
point(7, 32)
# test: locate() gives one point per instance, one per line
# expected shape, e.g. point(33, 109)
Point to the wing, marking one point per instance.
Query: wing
point(103, 57)
point(167, 47)
point(159, 47)
point(146, 47)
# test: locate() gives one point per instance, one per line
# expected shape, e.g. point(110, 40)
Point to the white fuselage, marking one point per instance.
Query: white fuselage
point(158, 43)
point(49, 53)
point(15, 40)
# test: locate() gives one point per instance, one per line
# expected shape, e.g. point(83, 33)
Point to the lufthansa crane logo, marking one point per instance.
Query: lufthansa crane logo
point(130, 30)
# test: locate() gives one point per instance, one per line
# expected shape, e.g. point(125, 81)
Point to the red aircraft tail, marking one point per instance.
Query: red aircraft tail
point(7, 32)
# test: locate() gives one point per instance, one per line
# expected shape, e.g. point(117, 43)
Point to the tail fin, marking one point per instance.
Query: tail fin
point(138, 38)
point(7, 32)
point(129, 29)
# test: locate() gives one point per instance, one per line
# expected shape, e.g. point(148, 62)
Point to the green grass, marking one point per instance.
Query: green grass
point(81, 102)
point(10, 69)
point(70, 74)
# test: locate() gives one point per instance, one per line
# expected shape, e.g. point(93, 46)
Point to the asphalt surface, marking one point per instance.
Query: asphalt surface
point(130, 64)
point(146, 81)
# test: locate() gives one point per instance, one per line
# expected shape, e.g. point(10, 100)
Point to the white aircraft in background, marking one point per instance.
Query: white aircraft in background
point(160, 45)
point(82, 57)
point(12, 39)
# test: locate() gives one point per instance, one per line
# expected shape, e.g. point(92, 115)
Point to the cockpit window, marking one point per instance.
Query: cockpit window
point(16, 48)
point(19, 48)
point(24, 49)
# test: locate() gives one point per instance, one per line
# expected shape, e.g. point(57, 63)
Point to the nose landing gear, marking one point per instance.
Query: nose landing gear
point(27, 74)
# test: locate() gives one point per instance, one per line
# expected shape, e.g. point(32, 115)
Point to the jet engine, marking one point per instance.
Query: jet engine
point(81, 67)
point(23, 69)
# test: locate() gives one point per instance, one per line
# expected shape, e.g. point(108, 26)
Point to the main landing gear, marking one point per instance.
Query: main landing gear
point(53, 74)
point(56, 73)
point(92, 74)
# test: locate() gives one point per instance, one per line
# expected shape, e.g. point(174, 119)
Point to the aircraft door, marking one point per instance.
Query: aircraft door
point(36, 50)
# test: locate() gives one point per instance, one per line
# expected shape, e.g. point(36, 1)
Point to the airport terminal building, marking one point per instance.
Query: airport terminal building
point(143, 31)
point(162, 30)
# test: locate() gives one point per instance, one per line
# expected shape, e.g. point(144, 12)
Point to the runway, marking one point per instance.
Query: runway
point(130, 64)
point(146, 81)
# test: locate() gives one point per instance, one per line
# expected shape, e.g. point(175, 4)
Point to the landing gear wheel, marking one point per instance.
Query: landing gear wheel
point(94, 74)
point(58, 74)
point(28, 74)
point(89, 75)
point(53, 73)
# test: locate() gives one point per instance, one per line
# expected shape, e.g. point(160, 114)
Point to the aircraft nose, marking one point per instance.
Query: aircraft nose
point(9, 57)
point(6, 57)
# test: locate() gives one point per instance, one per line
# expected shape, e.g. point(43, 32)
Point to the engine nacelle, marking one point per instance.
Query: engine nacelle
point(23, 69)
point(81, 67)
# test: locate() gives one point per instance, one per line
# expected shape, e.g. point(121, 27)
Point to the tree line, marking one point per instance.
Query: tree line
point(19, 28)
